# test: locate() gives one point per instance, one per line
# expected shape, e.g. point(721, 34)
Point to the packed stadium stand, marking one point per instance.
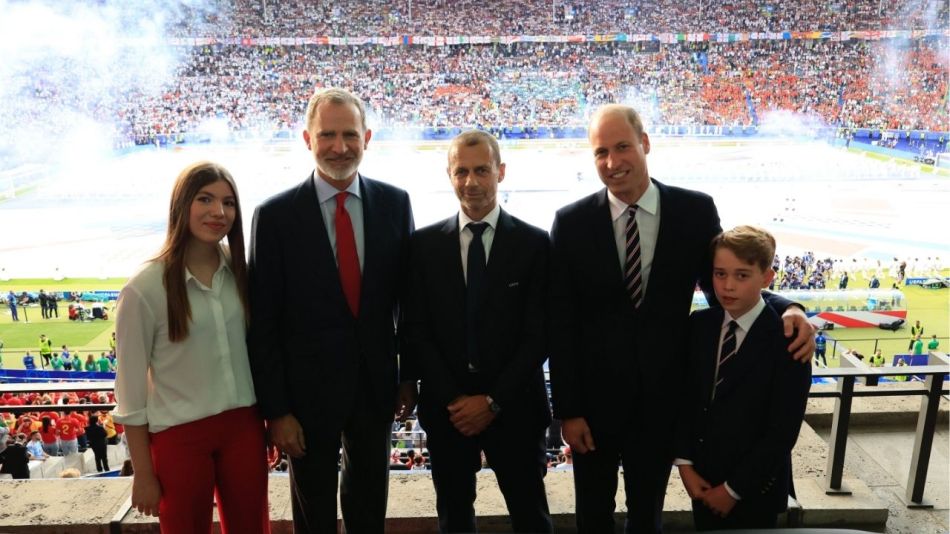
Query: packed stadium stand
point(250, 65)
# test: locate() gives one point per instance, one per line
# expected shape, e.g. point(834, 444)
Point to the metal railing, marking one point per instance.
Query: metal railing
point(847, 375)
point(851, 370)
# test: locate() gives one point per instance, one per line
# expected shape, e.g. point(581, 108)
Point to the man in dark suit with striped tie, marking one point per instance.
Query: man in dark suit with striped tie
point(475, 336)
point(625, 262)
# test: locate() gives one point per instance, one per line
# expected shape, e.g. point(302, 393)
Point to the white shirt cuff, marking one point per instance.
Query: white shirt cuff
point(732, 493)
point(682, 461)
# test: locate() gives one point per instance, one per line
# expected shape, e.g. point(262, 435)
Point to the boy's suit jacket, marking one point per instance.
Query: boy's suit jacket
point(745, 435)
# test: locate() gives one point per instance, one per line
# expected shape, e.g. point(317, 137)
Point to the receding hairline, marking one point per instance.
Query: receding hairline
point(617, 110)
point(475, 138)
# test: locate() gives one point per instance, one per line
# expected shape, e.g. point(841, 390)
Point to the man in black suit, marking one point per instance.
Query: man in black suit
point(475, 329)
point(328, 377)
point(625, 262)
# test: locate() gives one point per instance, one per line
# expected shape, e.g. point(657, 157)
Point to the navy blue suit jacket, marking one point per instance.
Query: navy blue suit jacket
point(305, 346)
point(745, 435)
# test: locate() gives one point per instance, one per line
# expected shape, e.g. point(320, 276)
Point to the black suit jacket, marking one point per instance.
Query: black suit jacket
point(511, 321)
point(607, 357)
point(306, 360)
point(745, 435)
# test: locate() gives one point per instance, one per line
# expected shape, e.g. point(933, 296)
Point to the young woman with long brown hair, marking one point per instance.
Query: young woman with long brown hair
point(183, 386)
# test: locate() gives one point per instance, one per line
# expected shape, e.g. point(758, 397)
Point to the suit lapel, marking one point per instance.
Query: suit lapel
point(604, 241)
point(501, 252)
point(450, 255)
point(372, 219)
point(664, 242)
point(753, 351)
point(316, 249)
point(710, 330)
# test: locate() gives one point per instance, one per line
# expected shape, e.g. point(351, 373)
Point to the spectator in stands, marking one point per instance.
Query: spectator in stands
point(418, 463)
point(49, 432)
point(104, 364)
point(367, 280)
point(90, 365)
point(602, 319)
point(68, 426)
point(67, 361)
point(96, 436)
point(184, 389)
point(77, 363)
point(36, 447)
point(482, 386)
point(56, 362)
point(14, 457)
point(28, 363)
point(843, 283)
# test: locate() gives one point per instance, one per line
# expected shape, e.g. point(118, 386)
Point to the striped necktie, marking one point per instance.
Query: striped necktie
point(726, 355)
point(631, 273)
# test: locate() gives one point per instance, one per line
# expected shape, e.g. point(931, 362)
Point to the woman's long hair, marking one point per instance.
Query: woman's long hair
point(191, 180)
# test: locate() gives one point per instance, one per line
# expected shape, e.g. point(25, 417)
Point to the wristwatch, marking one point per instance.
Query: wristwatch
point(493, 406)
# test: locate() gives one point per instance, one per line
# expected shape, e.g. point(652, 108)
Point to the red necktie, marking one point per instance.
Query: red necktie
point(347, 259)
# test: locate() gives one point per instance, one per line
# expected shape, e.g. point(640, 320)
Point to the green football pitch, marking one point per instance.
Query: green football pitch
point(929, 306)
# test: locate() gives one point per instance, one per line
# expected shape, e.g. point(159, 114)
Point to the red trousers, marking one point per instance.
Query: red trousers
point(223, 456)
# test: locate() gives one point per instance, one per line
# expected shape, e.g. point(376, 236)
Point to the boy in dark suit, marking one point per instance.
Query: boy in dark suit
point(735, 436)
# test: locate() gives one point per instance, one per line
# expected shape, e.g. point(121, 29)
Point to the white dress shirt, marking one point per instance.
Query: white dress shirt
point(326, 195)
point(466, 235)
point(648, 224)
point(162, 384)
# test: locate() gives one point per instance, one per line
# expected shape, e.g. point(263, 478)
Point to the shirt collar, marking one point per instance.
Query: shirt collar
point(748, 318)
point(223, 264)
point(647, 202)
point(325, 191)
point(491, 218)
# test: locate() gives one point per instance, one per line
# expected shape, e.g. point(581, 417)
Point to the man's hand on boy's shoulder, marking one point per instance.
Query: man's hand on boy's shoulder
point(802, 347)
point(719, 501)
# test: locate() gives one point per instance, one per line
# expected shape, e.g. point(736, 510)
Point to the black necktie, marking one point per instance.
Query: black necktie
point(475, 275)
point(726, 355)
point(631, 270)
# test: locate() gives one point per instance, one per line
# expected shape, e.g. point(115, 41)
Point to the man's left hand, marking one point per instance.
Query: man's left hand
point(802, 347)
point(470, 414)
point(719, 501)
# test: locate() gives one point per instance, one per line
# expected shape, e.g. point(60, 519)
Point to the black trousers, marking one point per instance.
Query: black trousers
point(363, 478)
point(646, 472)
point(102, 457)
point(743, 516)
point(517, 456)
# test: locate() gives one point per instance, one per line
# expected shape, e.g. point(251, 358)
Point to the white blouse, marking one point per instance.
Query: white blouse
point(163, 384)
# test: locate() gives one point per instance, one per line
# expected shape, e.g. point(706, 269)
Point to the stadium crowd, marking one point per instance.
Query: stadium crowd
point(260, 89)
point(250, 18)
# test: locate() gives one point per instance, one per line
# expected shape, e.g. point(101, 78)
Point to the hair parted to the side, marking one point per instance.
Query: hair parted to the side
point(750, 244)
point(335, 96)
point(191, 180)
